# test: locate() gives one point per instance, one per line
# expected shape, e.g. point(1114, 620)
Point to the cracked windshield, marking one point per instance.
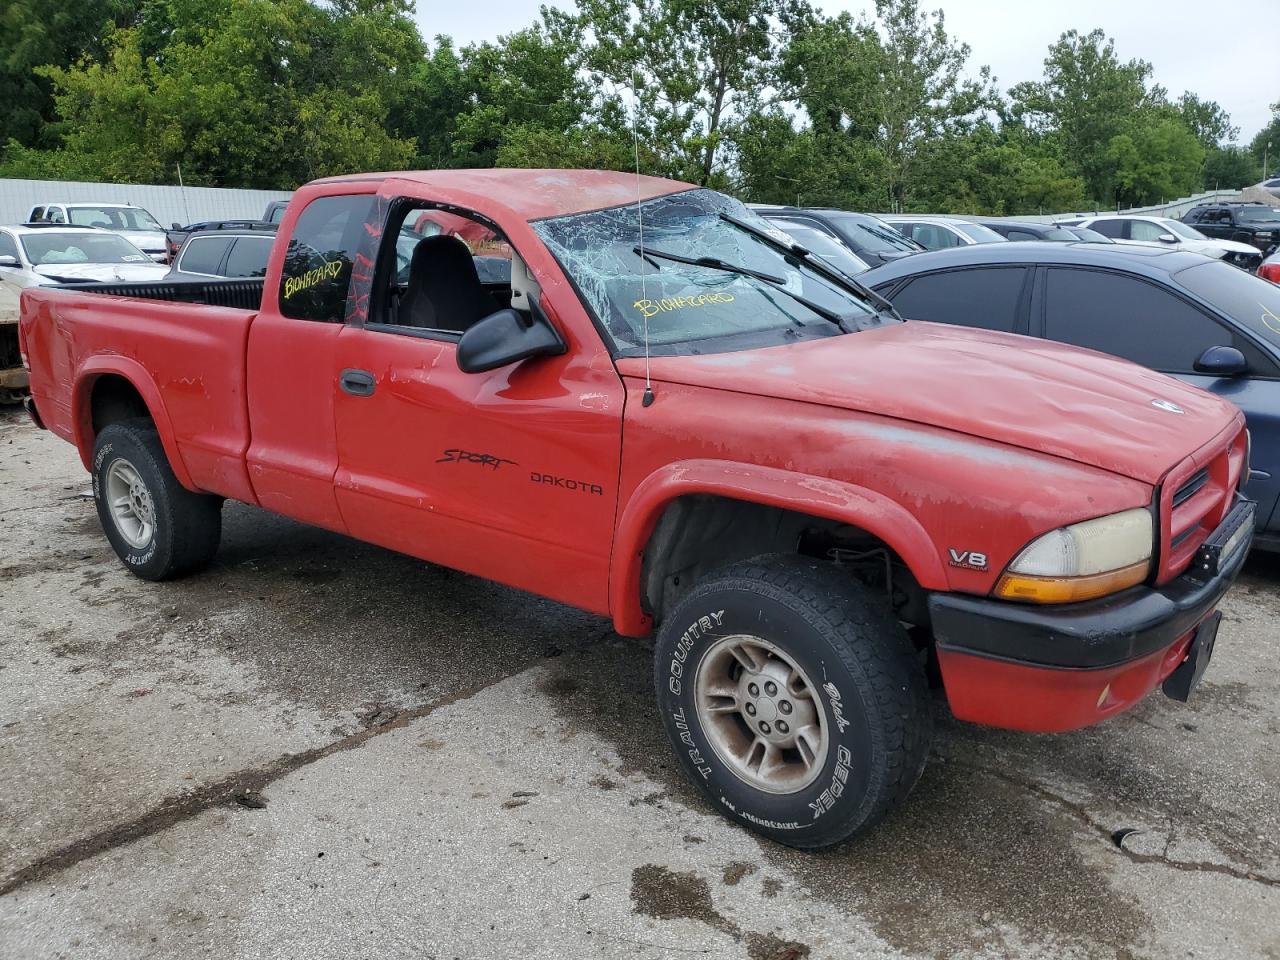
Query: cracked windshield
point(703, 283)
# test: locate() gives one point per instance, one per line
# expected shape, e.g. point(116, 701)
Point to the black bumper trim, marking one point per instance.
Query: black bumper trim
point(1090, 635)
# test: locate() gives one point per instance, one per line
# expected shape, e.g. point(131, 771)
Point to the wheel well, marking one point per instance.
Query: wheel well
point(114, 399)
point(699, 533)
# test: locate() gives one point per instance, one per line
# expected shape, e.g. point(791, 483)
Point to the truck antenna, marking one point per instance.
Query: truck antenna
point(635, 136)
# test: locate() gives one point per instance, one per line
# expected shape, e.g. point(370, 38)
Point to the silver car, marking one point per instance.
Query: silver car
point(940, 233)
point(35, 256)
point(133, 223)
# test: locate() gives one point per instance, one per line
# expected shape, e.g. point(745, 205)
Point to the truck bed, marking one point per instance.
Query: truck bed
point(192, 360)
point(237, 294)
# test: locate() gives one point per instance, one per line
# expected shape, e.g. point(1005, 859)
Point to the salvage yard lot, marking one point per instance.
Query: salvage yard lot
point(318, 748)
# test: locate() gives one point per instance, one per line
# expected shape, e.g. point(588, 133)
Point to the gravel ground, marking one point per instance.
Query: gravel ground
point(317, 748)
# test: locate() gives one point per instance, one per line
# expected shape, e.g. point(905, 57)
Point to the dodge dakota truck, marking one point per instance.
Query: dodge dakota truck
point(673, 415)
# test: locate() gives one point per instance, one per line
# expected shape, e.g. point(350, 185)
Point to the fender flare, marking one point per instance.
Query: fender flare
point(136, 374)
point(818, 496)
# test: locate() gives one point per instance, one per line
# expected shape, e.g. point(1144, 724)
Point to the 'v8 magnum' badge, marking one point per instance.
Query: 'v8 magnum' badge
point(1167, 405)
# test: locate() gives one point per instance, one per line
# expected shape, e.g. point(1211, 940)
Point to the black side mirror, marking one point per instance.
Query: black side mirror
point(176, 226)
point(1222, 361)
point(506, 337)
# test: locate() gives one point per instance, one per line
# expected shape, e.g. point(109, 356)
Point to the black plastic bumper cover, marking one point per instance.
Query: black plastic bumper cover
point(1089, 635)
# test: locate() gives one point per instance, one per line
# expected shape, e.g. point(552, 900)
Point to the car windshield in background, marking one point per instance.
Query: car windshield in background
point(688, 307)
point(822, 243)
point(1059, 234)
point(876, 235)
point(1248, 299)
point(1087, 235)
point(113, 218)
point(979, 233)
point(1180, 229)
point(1259, 215)
point(50, 248)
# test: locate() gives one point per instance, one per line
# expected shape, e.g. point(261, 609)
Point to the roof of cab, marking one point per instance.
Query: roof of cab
point(535, 194)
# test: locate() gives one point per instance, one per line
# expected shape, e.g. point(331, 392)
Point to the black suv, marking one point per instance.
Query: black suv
point(1253, 223)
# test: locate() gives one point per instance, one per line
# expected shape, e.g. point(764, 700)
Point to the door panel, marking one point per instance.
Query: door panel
point(293, 453)
point(510, 474)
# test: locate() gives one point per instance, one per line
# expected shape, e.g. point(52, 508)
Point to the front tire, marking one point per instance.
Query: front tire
point(793, 698)
point(157, 527)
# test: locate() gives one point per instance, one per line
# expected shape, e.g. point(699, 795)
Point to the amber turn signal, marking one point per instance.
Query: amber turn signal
point(1017, 586)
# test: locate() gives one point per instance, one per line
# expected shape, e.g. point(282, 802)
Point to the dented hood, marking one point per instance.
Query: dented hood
point(1030, 393)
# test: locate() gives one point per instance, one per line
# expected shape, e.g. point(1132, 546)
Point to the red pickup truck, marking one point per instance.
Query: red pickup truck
point(654, 406)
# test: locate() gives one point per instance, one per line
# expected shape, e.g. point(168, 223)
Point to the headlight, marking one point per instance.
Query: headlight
point(1082, 561)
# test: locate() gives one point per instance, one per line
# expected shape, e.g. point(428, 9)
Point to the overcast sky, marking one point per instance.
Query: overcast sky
point(1226, 53)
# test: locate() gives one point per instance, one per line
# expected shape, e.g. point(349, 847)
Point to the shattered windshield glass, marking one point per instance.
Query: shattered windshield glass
point(695, 308)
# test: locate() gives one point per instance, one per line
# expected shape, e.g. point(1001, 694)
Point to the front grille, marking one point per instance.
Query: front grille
point(1197, 496)
point(9, 356)
point(1190, 488)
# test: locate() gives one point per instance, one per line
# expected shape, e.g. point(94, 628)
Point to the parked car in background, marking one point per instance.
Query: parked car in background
point(177, 234)
point(1270, 269)
point(1253, 223)
point(1181, 313)
point(275, 211)
point(1140, 228)
point(223, 253)
point(941, 233)
point(1085, 234)
point(133, 223)
point(37, 255)
point(1030, 230)
point(823, 243)
point(870, 238)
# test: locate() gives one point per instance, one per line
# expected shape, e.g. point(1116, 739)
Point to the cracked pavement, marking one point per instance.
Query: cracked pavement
point(318, 749)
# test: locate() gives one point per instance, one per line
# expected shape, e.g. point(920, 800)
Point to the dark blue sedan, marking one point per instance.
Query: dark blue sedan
point(1197, 319)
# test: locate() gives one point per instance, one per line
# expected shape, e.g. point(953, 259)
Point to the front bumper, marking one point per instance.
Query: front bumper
point(1054, 668)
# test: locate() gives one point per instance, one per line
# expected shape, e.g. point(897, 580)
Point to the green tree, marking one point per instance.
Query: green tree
point(258, 93)
point(1230, 168)
point(1267, 142)
point(1156, 161)
point(1207, 120)
point(897, 86)
point(1087, 98)
point(38, 33)
point(694, 69)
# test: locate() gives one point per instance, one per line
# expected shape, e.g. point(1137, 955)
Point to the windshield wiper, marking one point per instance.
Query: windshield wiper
point(829, 270)
point(715, 263)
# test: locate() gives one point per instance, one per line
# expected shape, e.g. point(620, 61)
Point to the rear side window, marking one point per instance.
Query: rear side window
point(317, 265)
point(986, 298)
point(203, 255)
point(36, 215)
point(249, 257)
point(1129, 318)
point(1022, 235)
point(1146, 231)
point(1109, 228)
point(8, 248)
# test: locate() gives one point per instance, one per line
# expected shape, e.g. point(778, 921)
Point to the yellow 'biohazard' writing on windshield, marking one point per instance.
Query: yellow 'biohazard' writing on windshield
point(1269, 318)
point(651, 308)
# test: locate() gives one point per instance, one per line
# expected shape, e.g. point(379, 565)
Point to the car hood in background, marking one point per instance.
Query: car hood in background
point(1226, 246)
point(107, 272)
point(1030, 393)
point(152, 241)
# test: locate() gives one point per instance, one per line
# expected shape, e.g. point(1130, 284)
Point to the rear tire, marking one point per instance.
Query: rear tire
point(157, 527)
point(793, 698)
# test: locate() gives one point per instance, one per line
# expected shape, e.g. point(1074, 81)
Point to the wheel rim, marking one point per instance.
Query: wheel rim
point(761, 714)
point(130, 505)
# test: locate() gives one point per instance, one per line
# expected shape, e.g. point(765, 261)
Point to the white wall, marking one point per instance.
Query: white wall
point(166, 204)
